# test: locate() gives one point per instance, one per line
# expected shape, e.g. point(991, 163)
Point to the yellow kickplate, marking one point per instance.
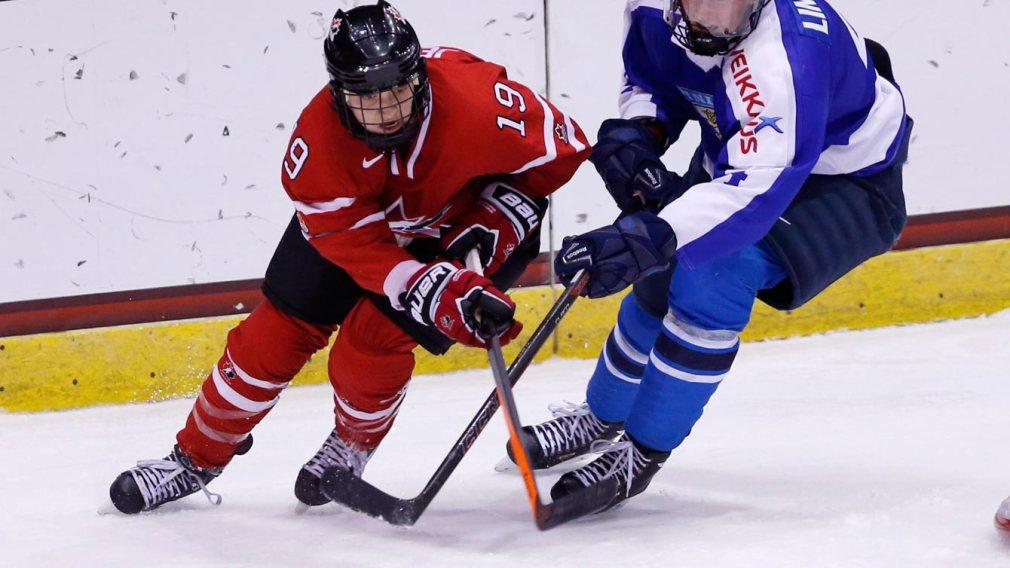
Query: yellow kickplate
point(915, 286)
point(159, 361)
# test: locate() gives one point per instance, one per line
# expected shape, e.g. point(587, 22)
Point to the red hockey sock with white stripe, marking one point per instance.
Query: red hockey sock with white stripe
point(370, 364)
point(263, 354)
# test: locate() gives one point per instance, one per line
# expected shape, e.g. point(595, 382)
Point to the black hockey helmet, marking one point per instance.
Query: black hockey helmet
point(374, 60)
point(716, 26)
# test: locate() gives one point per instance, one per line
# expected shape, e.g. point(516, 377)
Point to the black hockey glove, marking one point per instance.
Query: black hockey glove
point(618, 255)
point(626, 156)
point(497, 223)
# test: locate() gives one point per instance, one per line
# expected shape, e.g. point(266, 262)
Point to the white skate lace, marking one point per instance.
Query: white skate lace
point(573, 425)
point(161, 480)
point(619, 458)
point(335, 452)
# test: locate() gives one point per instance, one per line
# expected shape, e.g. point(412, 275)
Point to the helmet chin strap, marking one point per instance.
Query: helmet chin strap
point(696, 39)
point(709, 45)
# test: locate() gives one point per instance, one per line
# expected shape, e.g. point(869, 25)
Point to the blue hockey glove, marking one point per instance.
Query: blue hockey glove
point(618, 255)
point(655, 187)
point(626, 156)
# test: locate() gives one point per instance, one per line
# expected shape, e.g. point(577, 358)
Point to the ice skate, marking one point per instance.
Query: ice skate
point(334, 452)
point(633, 465)
point(152, 483)
point(568, 435)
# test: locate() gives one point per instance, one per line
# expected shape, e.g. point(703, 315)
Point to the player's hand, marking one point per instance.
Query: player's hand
point(626, 155)
point(495, 225)
point(460, 303)
point(618, 255)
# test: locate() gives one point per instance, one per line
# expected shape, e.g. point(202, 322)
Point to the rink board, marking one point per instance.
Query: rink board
point(160, 361)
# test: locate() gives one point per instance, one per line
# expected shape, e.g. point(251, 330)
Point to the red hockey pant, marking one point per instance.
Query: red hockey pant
point(370, 364)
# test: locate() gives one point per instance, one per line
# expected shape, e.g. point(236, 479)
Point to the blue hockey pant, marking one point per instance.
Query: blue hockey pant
point(656, 374)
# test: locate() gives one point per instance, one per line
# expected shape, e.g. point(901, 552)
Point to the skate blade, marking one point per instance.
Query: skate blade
point(301, 508)
point(505, 465)
point(107, 508)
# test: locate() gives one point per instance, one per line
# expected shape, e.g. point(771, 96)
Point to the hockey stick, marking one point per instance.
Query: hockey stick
point(579, 504)
point(357, 494)
point(575, 505)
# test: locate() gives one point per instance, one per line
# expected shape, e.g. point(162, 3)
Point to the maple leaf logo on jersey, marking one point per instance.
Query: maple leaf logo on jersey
point(562, 132)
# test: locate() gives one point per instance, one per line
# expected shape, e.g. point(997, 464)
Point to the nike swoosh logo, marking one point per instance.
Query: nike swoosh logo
point(366, 163)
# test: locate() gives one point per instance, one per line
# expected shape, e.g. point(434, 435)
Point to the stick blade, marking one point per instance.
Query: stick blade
point(344, 488)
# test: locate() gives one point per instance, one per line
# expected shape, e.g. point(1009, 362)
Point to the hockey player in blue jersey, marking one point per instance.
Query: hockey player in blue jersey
point(798, 179)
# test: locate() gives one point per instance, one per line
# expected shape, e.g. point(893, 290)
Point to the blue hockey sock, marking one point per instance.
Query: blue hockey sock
point(619, 369)
point(684, 370)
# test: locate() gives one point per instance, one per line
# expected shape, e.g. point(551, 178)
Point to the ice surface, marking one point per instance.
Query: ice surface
point(877, 448)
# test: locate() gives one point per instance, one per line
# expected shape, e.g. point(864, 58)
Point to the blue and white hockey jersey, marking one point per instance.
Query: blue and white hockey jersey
point(799, 96)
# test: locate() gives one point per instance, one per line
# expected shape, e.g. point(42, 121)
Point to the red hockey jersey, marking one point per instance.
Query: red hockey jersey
point(353, 201)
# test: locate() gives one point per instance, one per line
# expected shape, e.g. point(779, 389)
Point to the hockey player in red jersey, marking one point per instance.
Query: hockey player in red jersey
point(403, 163)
